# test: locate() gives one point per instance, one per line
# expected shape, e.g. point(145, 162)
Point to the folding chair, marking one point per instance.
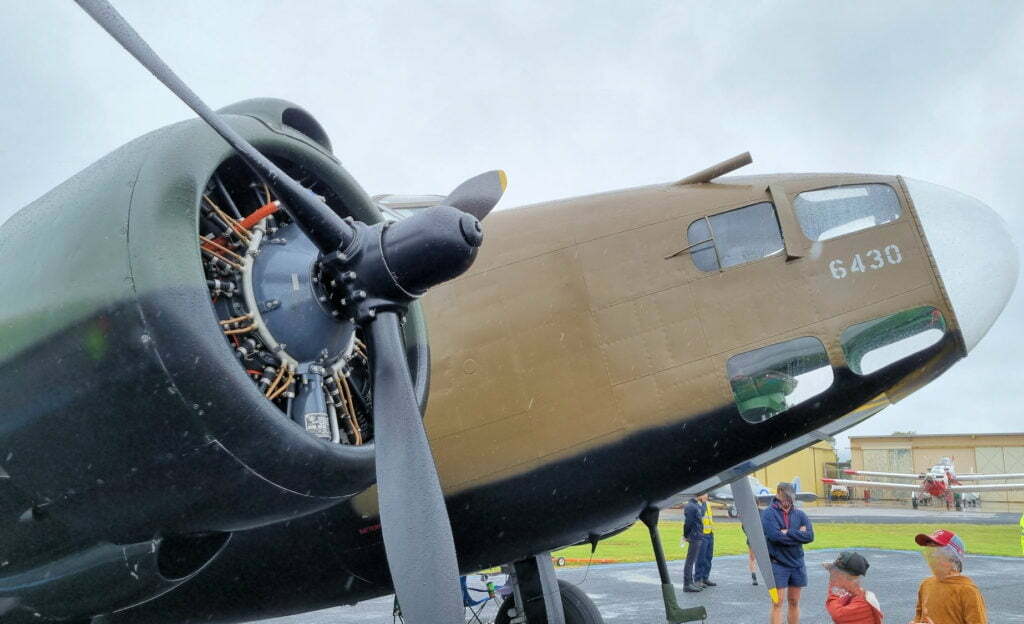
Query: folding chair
point(475, 607)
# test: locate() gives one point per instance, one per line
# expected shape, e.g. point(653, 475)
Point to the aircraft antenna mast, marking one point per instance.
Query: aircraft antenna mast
point(716, 171)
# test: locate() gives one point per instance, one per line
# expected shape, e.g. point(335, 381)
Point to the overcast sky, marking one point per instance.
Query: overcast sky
point(570, 99)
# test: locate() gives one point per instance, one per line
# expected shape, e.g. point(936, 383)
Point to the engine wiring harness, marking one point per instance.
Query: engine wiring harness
point(238, 219)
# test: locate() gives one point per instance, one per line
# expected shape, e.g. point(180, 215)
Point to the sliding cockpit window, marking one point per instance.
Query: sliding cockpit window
point(833, 212)
point(768, 381)
point(735, 237)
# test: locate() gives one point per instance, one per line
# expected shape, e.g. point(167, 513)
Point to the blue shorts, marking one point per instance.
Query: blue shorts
point(786, 576)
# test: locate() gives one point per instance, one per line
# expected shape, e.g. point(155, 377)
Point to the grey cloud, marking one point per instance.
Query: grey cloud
point(570, 98)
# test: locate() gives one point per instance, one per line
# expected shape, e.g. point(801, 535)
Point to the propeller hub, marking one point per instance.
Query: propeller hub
point(471, 230)
point(283, 289)
point(433, 246)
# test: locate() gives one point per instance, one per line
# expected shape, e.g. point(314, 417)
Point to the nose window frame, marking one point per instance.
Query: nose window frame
point(763, 380)
point(900, 327)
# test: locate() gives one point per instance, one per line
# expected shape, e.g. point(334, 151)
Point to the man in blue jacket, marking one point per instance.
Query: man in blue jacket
point(787, 529)
point(693, 533)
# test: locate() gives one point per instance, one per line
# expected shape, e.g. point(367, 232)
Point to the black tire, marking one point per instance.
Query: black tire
point(578, 607)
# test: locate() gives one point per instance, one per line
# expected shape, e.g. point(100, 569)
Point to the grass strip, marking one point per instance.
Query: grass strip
point(634, 545)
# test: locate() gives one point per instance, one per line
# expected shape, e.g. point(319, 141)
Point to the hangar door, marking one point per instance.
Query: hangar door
point(996, 459)
point(889, 460)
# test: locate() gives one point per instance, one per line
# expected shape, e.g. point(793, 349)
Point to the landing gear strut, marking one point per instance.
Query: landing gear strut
point(673, 613)
point(540, 598)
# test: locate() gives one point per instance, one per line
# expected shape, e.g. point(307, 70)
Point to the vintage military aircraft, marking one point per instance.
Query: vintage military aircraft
point(762, 493)
point(940, 481)
point(214, 360)
point(725, 497)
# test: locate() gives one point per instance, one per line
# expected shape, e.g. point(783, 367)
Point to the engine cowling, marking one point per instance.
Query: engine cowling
point(126, 409)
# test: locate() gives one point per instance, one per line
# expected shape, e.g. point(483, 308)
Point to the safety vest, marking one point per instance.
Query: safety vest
point(710, 520)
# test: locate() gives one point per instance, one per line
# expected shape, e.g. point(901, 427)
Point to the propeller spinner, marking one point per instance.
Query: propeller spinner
point(380, 269)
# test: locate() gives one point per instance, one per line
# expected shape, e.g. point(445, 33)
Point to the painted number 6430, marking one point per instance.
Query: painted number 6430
point(870, 261)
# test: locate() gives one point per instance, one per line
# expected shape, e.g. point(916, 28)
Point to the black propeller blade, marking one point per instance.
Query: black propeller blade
point(746, 504)
point(414, 520)
point(381, 269)
point(326, 229)
point(479, 194)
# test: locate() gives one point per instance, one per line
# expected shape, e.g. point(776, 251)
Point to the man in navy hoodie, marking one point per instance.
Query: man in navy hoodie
point(693, 533)
point(787, 529)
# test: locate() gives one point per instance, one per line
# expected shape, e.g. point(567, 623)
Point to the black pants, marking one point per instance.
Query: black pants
point(692, 554)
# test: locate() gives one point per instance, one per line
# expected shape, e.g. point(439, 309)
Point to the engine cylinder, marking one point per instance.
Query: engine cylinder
point(125, 411)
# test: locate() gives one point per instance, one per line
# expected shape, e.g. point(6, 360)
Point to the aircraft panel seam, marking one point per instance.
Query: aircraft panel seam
point(773, 336)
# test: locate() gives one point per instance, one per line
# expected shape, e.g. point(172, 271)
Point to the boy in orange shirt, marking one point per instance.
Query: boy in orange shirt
point(948, 597)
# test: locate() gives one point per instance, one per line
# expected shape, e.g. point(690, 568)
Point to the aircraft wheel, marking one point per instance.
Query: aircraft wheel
point(732, 511)
point(578, 607)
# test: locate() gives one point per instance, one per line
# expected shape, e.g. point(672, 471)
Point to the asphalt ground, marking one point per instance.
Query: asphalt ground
point(890, 515)
point(885, 515)
point(630, 593)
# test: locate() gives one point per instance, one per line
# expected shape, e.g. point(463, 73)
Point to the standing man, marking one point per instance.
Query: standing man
point(693, 534)
point(947, 597)
point(786, 530)
point(1022, 534)
point(707, 551)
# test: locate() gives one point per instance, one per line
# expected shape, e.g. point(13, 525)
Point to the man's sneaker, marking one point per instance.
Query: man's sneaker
point(707, 583)
point(753, 577)
point(693, 588)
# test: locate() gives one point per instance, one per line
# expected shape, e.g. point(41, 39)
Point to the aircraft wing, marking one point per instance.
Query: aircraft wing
point(988, 477)
point(893, 475)
point(873, 484)
point(989, 487)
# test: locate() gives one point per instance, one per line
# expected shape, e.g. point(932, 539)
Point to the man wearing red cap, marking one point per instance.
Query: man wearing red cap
point(947, 597)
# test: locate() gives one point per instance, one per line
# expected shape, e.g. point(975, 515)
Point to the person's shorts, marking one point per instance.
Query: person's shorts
point(786, 576)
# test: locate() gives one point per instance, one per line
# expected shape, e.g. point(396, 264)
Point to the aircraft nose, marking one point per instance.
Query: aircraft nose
point(973, 250)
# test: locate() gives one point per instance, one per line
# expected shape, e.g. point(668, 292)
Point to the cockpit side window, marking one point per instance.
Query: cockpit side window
point(735, 237)
point(768, 381)
point(833, 212)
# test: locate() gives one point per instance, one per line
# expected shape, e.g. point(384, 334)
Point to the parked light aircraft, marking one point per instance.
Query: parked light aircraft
point(763, 495)
point(214, 361)
point(940, 481)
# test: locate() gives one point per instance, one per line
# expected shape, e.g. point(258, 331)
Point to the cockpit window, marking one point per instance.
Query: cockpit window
point(833, 212)
point(398, 207)
point(873, 345)
point(770, 380)
point(735, 237)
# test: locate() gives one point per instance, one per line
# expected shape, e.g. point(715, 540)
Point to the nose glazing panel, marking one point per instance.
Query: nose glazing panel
point(975, 255)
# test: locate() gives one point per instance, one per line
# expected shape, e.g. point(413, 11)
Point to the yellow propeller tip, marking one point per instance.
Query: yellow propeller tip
point(503, 179)
point(774, 593)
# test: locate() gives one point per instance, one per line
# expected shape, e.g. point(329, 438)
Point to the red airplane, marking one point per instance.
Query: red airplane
point(941, 481)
